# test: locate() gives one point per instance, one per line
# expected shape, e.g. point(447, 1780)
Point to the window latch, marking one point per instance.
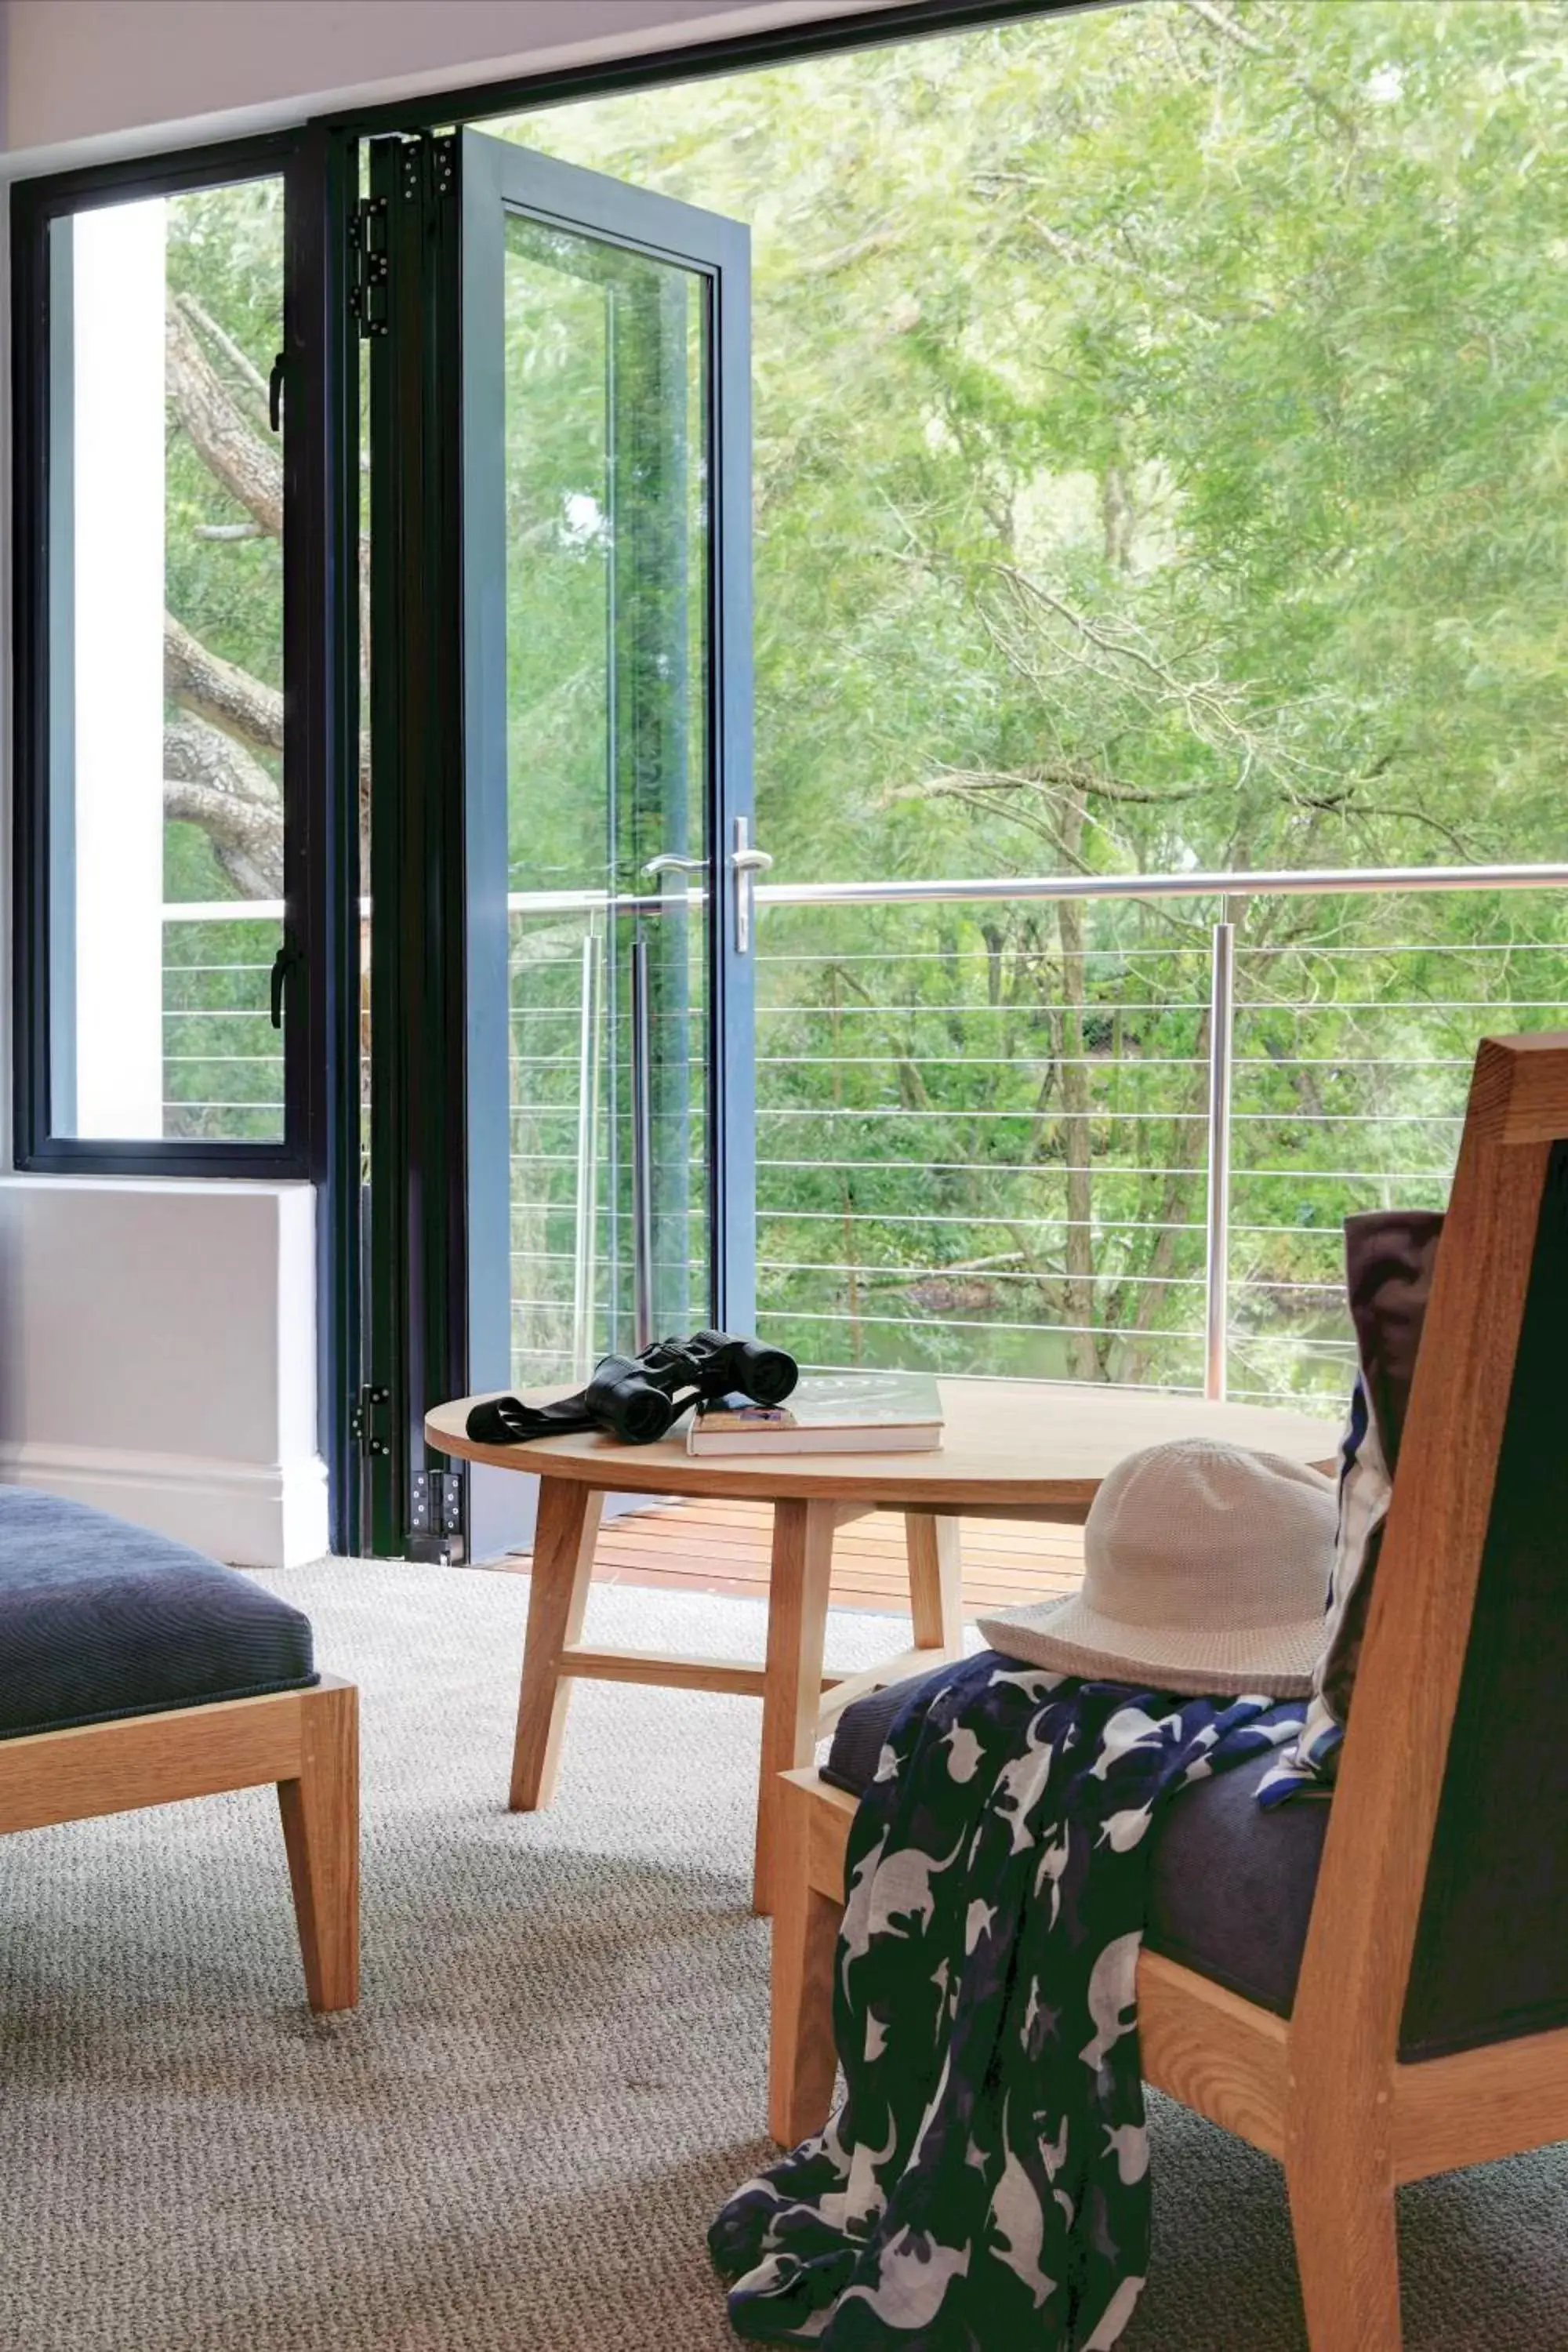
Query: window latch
point(283, 964)
point(275, 393)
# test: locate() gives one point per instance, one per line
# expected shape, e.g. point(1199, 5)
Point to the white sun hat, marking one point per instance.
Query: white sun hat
point(1207, 1567)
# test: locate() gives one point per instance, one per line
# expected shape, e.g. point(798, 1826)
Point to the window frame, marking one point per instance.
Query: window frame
point(886, 24)
point(36, 205)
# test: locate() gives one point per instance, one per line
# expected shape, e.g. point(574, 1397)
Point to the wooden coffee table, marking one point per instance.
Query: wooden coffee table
point(1013, 1449)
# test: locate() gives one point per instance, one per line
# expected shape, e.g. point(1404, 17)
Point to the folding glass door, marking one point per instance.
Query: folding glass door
point(562, 858)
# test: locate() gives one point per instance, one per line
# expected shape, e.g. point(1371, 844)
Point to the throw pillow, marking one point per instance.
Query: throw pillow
point(1389, 1259)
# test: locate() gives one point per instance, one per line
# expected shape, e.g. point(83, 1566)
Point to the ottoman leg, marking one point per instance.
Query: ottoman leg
point(320, 1832)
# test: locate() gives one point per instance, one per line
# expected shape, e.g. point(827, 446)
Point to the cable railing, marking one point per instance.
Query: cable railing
point(223, 1060)
point(1075, 1127)
point(1255, 1072)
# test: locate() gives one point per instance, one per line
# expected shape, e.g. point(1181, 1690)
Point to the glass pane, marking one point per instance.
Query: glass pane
point(166, 702)
point(607, 458)
point(1160, 432)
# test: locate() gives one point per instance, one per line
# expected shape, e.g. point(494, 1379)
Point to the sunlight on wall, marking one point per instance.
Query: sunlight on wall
point(118, 263)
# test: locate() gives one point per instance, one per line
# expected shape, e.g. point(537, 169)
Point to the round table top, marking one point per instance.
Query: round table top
point(1007, 1444)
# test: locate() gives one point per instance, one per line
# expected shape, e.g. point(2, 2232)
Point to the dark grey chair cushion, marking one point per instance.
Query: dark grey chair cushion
point(1230, 1885)
point(100, 1618)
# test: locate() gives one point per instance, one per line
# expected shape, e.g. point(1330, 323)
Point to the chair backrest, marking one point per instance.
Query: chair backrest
point(1433, 1924)
point(1491, 1957)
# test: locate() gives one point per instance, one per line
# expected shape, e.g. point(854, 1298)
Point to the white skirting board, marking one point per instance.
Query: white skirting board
point(251, 1516)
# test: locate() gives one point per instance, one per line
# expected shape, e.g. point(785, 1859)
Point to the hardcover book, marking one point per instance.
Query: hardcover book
point(828, 1413)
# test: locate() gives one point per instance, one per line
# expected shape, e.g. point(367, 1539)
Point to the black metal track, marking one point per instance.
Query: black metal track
point(322, 722)
point(418, 1143)
point(739, 53)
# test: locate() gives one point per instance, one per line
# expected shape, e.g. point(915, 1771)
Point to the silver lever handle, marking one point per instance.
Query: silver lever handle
point(745, 864)
point(669, 863)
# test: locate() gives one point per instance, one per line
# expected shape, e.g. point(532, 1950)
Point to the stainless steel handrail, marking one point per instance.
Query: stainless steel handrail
point(1239, 883)
point(1305, 882)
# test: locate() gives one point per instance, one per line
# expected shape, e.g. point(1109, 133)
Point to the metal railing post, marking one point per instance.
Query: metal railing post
point(583, 1298)
point(642, 1152)
point(1216, 1269)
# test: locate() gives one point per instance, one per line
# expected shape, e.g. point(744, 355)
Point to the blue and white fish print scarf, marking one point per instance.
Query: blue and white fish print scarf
point(984, 2187)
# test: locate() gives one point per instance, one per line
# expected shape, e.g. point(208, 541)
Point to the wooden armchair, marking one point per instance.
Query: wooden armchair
point(1413, 2013)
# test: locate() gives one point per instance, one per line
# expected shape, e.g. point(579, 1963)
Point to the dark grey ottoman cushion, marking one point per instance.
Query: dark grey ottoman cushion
point(100, 1618)
point(1230, 1887)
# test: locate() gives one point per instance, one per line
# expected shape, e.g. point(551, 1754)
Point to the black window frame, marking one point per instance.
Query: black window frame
point(471, 105)
point(36, 205)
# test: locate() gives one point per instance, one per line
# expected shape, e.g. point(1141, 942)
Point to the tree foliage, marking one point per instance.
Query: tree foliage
point(1159, 466)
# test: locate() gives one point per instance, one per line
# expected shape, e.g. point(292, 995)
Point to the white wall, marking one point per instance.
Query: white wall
point(111, 70)
point(157, 1358)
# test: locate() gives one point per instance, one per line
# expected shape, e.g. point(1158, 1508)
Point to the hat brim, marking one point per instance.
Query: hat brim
point(1069, 1637)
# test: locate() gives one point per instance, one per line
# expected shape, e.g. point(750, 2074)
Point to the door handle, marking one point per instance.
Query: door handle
point(745, 864)
point(669, 863)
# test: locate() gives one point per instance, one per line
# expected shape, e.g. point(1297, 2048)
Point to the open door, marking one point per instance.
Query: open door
point(562, 851)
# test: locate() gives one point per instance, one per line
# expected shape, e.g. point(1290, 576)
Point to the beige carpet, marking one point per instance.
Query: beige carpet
point(557, 2072)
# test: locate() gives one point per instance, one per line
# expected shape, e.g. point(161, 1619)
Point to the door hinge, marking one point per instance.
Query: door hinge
point(364, 1420)
point(369, 266)
point(436, 1509)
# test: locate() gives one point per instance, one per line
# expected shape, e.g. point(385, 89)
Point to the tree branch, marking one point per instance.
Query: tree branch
point(843, 256)
point(1148, 280)
point(248, 469)
point(1223, 22)
point(217, 691)
point(1064, 775)
point(211, 781)
point(1231, 29)
point(1204, 703)
point(227, 345)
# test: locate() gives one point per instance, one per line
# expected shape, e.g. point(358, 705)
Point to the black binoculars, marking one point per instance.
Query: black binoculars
point(639, 1397)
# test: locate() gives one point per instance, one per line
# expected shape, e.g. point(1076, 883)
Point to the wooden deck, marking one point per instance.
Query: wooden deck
point(722, 1547)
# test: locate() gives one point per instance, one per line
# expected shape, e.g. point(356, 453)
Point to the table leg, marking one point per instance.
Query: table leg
point(936, 1582)
point(563, 1541)
point(792, 1688)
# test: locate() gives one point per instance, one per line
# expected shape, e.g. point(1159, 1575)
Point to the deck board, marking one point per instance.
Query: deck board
point(721, 1546)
